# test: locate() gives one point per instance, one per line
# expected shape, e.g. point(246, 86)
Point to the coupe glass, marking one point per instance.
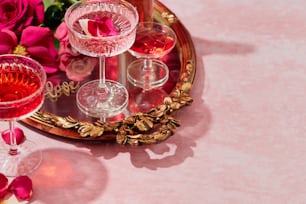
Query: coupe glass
point(153, 41)
point(102, 98)
point(22, 82)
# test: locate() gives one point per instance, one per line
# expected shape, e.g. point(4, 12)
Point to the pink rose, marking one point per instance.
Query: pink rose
point(61, 34)
point(15, 15)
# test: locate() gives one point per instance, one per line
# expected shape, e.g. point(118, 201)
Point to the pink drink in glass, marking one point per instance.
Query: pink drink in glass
point(109, 45)
point(17, 82)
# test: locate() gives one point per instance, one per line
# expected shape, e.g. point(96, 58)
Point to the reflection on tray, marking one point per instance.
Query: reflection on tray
point(61, 90)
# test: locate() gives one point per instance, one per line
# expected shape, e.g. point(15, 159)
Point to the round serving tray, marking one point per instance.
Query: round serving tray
point(60, 115)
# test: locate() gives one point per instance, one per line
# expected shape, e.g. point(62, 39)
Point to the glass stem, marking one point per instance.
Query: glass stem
point(103, 93)
point(102, 118)
point(13, 143)
point(102, 72)
point(148, 74)
point(147, 63)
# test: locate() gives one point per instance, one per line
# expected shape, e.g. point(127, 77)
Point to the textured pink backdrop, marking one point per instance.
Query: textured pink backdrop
point(243, 140)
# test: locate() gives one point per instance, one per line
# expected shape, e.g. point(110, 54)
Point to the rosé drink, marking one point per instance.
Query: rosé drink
point(113, 44)
point(17, 83)
point(153, 41)
point(102, 29)
point(22, 83)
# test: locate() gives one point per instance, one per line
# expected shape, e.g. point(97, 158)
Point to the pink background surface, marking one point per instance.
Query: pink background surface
point(241, 141)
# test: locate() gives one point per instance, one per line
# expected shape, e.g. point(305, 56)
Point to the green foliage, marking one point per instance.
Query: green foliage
point(48, 3)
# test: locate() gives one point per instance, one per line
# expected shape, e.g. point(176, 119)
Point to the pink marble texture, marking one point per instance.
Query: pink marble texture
point(242, 141)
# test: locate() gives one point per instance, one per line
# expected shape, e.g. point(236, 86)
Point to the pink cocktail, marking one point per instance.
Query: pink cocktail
point(153, 41)
point(102, 29)
point(22, 82)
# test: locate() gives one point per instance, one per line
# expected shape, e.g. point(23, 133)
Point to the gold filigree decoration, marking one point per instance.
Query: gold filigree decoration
point(133, 130)
point(171, 18)
point(66, 88)
point(143, 128)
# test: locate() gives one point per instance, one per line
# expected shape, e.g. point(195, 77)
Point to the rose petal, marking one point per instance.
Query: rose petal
point(3, 186)
point(8, 41)
point(50, 69)
point(106, 27)
point(99, 27)
point(38, 10)
point(61, 32)
point(35, 36)
point(40, 46)
point(84, 25)
point(20, 137)
point(92, 28)
point(21, 187)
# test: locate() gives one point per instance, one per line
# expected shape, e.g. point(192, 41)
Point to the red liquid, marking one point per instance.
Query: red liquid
point(152, 42)
point(17, 83)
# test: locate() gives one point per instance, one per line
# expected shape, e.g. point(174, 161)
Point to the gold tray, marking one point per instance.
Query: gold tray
point(62, 118)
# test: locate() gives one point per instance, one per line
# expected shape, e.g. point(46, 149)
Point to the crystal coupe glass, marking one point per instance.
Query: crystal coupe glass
point(22, 82)
point(102, 98)
point(153, 41)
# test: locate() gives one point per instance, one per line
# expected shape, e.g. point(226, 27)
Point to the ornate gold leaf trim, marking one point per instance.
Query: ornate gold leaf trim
point(171, 18)
point(143, 128)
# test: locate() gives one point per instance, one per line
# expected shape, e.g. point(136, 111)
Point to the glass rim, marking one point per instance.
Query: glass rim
point(121, 2)
point(164, 27)
point(43, 79)
point(169, 29)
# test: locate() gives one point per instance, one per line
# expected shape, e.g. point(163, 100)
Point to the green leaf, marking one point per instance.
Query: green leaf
point(47, 3)
point(56, 43)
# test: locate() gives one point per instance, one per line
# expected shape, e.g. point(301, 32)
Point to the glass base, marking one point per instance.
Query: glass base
point(147, 74)
point(102, 102)
point(24, 162)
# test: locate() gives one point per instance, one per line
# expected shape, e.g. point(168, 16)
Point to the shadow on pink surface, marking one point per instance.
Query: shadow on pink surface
point(206, 47)
point(171, 152)
point(196, 119)
point(67, 177)
point(166, 154)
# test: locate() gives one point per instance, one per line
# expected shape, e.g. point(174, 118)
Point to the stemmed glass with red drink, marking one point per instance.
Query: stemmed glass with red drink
point(153, 41)
point(22, 82)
